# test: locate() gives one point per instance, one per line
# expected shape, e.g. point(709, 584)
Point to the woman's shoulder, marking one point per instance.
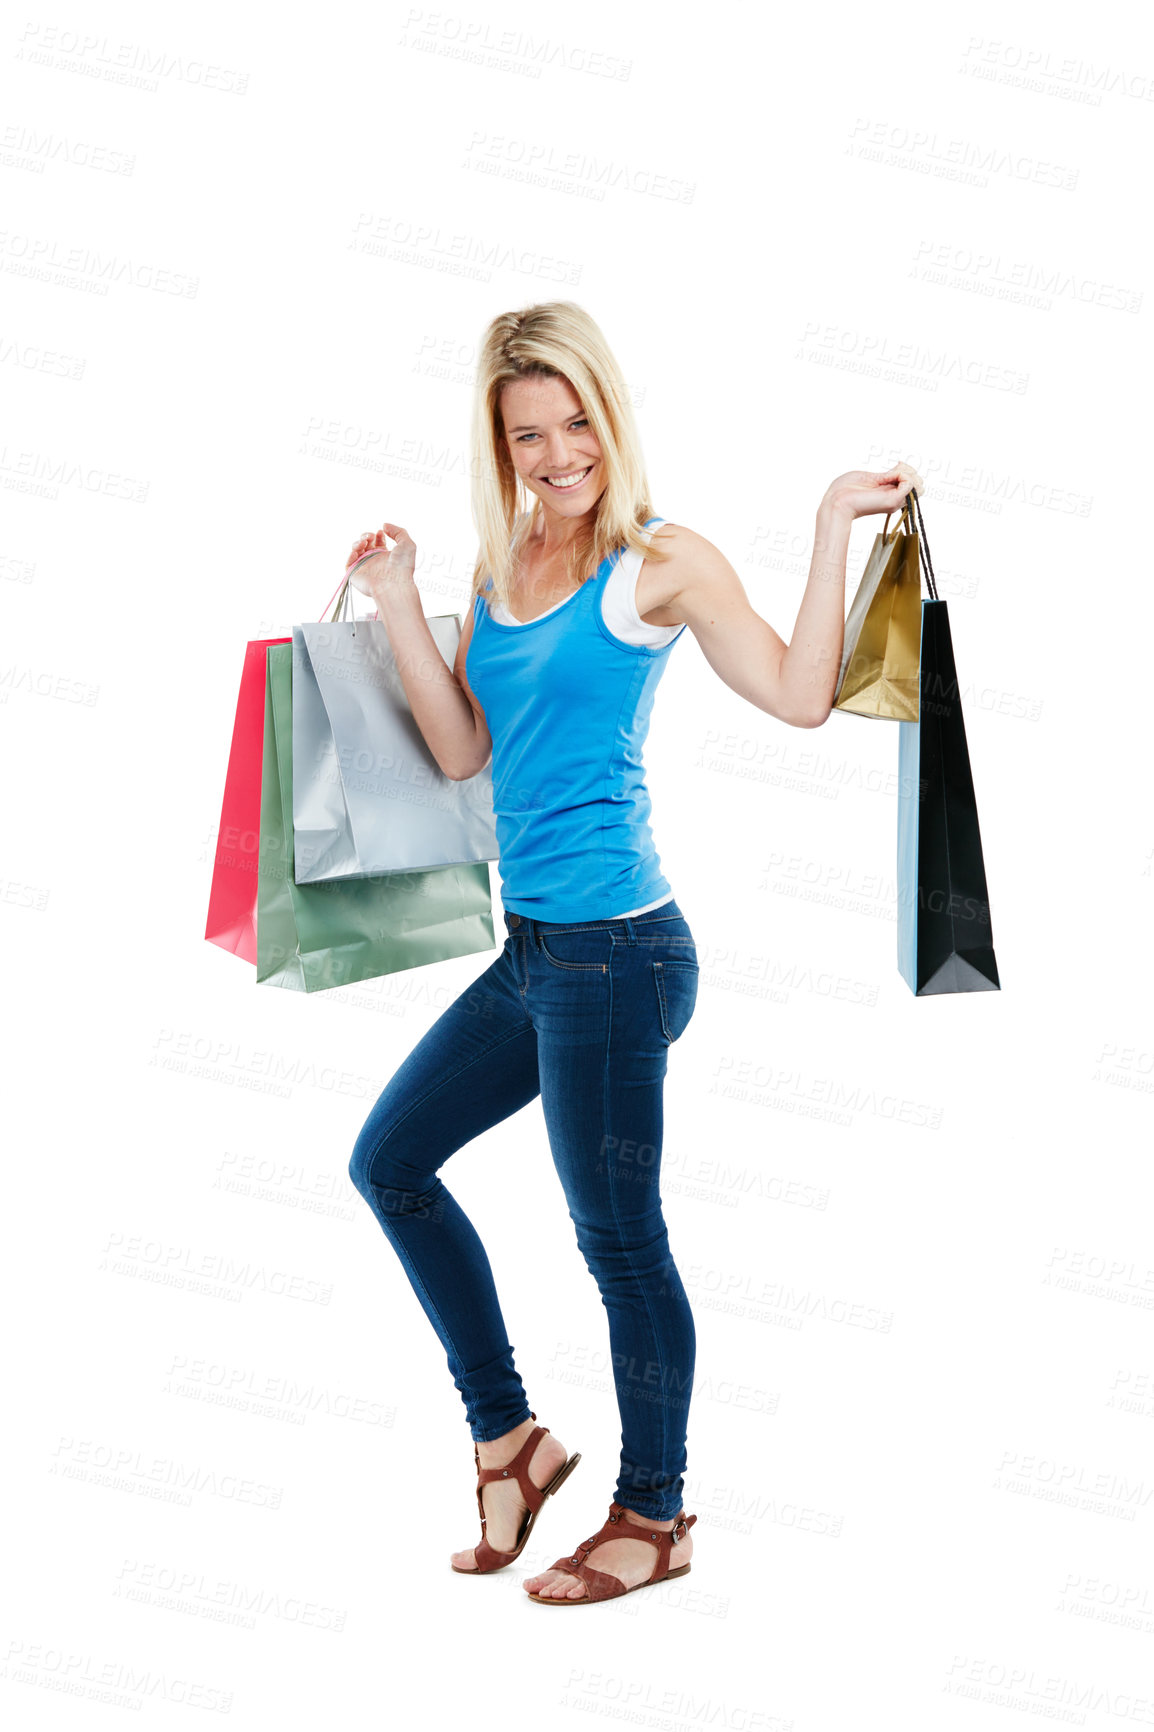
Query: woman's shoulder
point(685, 560)
point(674, 540)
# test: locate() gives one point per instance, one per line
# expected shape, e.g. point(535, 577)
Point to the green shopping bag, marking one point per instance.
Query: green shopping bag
point(313, 936)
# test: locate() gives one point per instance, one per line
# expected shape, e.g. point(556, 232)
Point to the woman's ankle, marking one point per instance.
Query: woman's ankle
point(494, 1452)
point(665, 1524)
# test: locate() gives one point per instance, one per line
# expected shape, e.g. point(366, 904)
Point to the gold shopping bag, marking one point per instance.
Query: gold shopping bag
point(881, 650)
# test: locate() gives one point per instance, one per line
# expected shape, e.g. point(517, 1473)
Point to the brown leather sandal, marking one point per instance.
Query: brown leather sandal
point(601, 1586)
point(487, 1557)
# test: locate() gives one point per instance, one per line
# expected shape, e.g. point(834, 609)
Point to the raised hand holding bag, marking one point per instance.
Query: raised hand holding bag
point(368, 797)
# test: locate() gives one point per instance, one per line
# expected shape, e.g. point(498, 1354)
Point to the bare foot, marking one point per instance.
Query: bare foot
point(631, 1561)
point(505, 1508)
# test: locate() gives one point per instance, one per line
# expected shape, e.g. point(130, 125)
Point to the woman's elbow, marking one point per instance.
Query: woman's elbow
point(463, 772)
point(812, 718)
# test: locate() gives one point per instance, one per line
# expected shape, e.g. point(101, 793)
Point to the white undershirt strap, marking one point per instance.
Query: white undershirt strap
point(618, 604)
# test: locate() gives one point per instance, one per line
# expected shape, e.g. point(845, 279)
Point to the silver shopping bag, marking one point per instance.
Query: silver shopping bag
point(368, 795)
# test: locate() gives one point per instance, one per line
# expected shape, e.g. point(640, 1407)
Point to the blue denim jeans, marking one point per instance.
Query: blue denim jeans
point(584, 1016)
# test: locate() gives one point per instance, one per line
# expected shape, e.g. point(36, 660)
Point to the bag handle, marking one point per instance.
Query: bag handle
point(924, 545)
point(903, 517)
point(343, 596)
point(909, 505)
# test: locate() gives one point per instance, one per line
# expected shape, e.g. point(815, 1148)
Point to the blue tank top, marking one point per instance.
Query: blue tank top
point(567, 705)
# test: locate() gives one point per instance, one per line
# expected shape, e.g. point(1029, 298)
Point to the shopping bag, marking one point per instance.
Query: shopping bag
point(879, 660)
point(368, 796)
point(314, 936)
point(232, 895)
point(945, 938)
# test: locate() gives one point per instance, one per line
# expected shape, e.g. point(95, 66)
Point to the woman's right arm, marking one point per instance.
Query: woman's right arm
point(442, 702)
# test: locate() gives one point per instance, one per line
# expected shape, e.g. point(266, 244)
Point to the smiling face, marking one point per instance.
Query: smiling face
point(553, 447)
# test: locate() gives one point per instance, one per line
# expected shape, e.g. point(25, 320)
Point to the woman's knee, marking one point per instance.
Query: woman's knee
point(616, 1248)
point(372, 1166)
point(387, 1181)
point(361, 1164)
point(375, 1148)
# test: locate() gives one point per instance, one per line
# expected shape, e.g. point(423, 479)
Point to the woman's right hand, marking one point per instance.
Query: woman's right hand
point(863, 492)
point(386, 568)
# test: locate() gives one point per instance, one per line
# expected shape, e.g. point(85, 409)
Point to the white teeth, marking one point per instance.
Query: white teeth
point(573, 480)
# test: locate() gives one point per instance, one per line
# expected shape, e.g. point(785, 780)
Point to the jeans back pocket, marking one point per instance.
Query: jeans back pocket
point(676, 981)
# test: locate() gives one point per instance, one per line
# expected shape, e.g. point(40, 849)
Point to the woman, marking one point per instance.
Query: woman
point(568, 635)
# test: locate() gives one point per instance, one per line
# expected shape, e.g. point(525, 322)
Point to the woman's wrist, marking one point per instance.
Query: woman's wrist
point(834, 513)
point(395, 595)
point(831, 534)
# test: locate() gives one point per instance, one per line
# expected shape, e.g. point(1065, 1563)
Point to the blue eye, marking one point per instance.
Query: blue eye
point(580, 421)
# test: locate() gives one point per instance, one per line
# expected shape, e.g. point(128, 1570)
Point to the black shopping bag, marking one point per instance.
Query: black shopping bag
point(945, 940)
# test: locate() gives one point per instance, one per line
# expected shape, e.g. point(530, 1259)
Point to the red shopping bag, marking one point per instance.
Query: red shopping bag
point(232, 898)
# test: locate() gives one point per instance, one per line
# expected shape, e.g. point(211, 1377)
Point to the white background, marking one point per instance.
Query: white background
point(243, 295)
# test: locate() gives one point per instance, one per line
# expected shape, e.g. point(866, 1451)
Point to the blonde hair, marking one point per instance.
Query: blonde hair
point(555, 339)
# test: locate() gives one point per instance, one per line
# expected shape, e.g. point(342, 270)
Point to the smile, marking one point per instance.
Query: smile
point(562, 482)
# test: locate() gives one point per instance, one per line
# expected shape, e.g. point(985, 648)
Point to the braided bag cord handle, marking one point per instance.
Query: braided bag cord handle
point(923, 544)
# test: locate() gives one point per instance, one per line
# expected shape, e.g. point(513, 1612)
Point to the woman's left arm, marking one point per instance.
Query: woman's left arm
point(796, 681)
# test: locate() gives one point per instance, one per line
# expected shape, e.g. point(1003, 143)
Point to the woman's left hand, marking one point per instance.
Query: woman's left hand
point(861, 492)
